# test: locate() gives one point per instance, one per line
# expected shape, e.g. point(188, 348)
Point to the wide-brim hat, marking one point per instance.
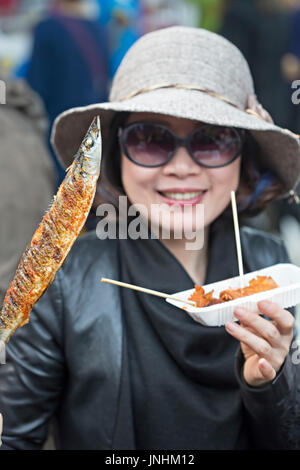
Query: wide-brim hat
point(188, 73)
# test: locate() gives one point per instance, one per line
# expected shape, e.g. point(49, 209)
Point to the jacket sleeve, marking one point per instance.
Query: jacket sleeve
point(273, 411)
point(31, 380)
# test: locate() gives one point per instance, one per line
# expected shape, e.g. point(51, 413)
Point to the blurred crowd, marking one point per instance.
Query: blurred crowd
point(57, 54)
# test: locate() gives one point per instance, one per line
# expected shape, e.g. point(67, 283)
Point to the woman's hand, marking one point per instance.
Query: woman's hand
point(265, 344)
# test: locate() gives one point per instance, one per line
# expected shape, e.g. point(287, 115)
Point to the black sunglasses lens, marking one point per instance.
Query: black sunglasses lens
point(215, 146)
point(147, 144)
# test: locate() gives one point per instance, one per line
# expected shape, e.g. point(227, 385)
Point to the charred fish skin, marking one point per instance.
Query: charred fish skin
point(55, 235)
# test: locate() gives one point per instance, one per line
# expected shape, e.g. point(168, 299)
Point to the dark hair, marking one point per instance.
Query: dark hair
point(110, 186)
point(258, 184)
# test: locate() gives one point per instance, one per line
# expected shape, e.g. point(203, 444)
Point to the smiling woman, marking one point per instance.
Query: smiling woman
point(124, 370)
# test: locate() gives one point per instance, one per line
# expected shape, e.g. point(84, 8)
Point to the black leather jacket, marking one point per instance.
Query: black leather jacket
point(67, 361)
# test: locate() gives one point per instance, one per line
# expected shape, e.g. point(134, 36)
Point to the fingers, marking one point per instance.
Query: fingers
point(268, 339)
point(259, 325)
point(257, 344)
point(283, 318)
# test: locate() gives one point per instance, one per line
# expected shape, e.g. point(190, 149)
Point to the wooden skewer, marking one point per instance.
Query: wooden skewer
point(237, 239)
point(147, 291)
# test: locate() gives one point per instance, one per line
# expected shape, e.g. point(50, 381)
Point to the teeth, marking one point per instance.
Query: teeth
point(181, 196)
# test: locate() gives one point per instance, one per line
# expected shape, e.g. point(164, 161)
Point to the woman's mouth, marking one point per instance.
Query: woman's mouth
point(182, 196)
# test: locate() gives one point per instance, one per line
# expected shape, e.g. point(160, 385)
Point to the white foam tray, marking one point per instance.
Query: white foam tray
point(286, 275)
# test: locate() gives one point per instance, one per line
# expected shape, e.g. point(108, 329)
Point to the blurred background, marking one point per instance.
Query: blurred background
point(56, 54)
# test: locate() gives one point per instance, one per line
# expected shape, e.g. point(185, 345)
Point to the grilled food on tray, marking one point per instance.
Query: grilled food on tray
point(258, 284)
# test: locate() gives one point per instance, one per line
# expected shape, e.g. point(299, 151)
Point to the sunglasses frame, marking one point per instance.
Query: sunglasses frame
point(179, 141)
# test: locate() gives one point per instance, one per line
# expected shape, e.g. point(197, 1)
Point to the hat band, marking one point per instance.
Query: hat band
point(204, 90)
point(188, 87)
point(177, 85)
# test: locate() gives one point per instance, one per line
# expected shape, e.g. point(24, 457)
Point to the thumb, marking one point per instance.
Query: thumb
point(267, 371)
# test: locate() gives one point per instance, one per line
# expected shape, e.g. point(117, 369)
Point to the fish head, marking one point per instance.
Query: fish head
point(90, 150)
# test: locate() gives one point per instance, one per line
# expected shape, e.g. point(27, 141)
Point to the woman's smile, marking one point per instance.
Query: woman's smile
point(182, 196)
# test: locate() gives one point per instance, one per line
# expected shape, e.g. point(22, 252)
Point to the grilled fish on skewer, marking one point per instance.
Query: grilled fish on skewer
point(55, 236)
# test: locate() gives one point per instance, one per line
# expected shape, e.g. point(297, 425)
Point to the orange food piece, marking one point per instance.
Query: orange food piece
point(199, 296)
point(258, 284)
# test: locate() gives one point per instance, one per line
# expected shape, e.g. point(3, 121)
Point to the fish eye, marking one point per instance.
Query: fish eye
point(88, 142)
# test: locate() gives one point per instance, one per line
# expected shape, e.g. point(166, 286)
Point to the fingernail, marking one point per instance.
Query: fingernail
point(264, 363)
point(231, 326)
point(266, 305)
point(240, 311)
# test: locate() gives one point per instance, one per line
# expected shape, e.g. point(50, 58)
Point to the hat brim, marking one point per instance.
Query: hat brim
point(280, 147)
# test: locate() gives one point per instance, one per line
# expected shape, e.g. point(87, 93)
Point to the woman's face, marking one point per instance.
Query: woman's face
point(181, 181)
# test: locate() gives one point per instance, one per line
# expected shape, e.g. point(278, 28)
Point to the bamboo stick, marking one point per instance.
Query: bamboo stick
point(147, 291)
point(237, 239)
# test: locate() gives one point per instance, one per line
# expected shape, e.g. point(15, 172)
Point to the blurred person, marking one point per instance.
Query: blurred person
point(120, 369)
point(26, 177)
point(125, 24)
point(290, 65)
point(69, 65)
point(261, 30)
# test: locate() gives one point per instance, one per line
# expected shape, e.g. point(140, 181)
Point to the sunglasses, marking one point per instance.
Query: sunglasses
point(153, 145)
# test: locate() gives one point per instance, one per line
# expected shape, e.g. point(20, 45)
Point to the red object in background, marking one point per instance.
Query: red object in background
point(8, 7)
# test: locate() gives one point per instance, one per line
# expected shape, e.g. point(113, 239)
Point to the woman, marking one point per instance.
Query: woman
point(125, 370)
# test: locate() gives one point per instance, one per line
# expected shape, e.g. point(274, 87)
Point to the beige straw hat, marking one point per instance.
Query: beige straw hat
point(187, 73)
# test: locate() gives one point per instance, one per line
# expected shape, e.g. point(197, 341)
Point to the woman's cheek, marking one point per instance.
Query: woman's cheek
point(136, 181)
point(229, 179)
point(128, 176)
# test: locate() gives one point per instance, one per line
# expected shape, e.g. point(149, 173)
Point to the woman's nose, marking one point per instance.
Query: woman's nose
point(182, 164)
